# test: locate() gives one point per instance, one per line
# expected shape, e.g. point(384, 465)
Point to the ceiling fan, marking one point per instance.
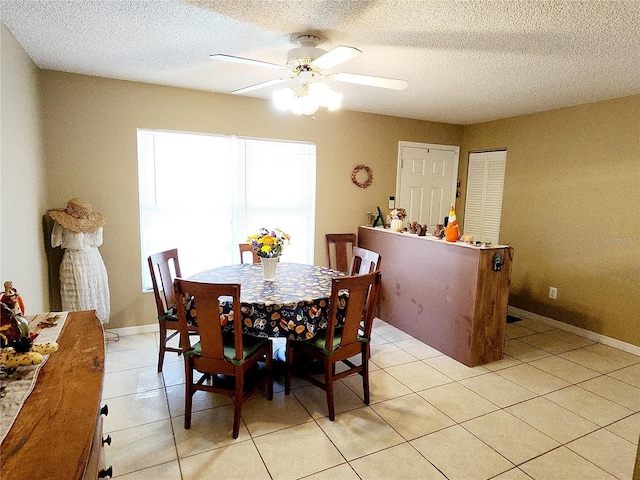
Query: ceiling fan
point(306, 64)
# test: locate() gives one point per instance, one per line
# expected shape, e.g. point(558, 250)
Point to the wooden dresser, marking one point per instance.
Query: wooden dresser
point(447, 295)
point(58, 432)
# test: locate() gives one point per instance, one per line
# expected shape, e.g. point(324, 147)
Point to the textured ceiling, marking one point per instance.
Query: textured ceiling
point(466, 61)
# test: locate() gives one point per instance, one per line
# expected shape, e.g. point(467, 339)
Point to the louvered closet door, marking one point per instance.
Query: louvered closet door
point(483, 207)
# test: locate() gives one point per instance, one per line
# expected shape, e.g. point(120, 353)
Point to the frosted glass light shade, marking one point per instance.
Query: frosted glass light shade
point(307, 98)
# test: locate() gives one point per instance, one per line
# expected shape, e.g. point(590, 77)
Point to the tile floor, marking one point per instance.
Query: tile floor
point(558, 406)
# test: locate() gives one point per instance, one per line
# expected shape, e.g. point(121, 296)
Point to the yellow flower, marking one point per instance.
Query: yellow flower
point(269, 243)
point(268, 240)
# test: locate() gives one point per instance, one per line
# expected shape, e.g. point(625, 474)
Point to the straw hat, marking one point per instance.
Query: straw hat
point(78, 217)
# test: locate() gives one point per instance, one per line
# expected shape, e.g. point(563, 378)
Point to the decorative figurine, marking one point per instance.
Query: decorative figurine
point(12, 299)
point(370, 218)
point(452, 232)
point(467, 238)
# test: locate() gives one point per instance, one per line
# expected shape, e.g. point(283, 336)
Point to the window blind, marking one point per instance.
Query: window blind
point(205, 194)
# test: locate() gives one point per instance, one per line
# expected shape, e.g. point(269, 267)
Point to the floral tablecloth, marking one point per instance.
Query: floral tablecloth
point(294, 305)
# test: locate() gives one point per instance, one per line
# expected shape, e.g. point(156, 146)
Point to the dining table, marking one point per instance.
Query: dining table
point(295, 305)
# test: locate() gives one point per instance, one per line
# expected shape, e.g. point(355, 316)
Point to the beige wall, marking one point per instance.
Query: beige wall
point(23, 184)
point(90, 138)
point(571, 204)
point(571, 210)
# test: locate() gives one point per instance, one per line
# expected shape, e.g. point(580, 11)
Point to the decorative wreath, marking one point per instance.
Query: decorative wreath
point(354, 176)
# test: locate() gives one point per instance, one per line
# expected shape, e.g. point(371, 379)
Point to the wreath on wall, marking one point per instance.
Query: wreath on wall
point(354, 176)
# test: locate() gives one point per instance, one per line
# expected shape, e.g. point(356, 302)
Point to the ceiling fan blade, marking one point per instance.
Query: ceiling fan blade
point(268, 83)
point(383, 82)
point(247, 61)
point(335, 56)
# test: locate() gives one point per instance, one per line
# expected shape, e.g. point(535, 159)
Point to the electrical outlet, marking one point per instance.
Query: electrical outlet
point(553, 293)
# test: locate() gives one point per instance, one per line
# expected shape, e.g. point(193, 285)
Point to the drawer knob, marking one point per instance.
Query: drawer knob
point(104, 410)
point(107, 440)
point(107, 472)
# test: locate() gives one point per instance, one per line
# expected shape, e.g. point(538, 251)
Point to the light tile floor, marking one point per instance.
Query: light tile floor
point(558, 406)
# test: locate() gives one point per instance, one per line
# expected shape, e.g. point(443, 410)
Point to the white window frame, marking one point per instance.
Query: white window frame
point(279, 193)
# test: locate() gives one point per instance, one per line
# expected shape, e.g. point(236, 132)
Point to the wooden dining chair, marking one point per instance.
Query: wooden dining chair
point(364, 261)
point(223, 359)
point(164, 267)
point(352, 296)
point(246, 247)
point(338, 257)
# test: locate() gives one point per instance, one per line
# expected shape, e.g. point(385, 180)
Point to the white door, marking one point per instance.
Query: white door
point(427, 177)
point(483, 207)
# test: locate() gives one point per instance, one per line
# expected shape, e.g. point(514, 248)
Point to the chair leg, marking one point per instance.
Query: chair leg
point(328, 384)
point(238, 401)
point(365, 372)
point(163, 344)
point(269, 364)
point(289, 365)
point(188, 394)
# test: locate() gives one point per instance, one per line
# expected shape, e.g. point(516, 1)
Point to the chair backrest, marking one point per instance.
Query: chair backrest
point(362, 291)
point(207, 297)
point(364, 261)
point(343, 245)
point(164, 267)
point(246, 247)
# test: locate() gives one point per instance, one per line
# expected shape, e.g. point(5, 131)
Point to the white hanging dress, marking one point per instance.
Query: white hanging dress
point(84, 284)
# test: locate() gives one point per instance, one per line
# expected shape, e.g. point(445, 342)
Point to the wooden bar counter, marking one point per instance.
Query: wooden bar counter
point(57, 433)
point(447, 295)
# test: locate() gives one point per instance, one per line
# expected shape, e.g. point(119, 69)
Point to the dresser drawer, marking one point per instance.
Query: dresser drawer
point(59, 428)
point(96, 466)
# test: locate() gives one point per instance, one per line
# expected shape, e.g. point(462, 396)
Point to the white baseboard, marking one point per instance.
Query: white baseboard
point(596, 337)
point(516, 312)
point(124, 331)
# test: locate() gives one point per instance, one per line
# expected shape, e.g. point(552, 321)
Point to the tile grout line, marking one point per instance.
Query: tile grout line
point(525, 362)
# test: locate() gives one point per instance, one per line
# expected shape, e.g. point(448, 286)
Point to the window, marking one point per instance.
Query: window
point(483, 206)
point(205, 194)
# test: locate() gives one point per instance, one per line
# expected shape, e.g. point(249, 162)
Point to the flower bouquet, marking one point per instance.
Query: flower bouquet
point(268, 245)
point(399, 213)
point(397, 219)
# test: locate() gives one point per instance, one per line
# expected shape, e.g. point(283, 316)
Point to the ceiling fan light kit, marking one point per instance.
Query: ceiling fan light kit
point(307, 97)
point(306, 62)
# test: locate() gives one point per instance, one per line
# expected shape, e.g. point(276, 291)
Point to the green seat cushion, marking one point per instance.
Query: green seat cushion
point(250, 345)
point(170, 315)
point(320, 340)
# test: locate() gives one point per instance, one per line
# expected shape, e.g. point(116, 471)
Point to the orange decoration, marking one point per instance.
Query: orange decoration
point(452, 232)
